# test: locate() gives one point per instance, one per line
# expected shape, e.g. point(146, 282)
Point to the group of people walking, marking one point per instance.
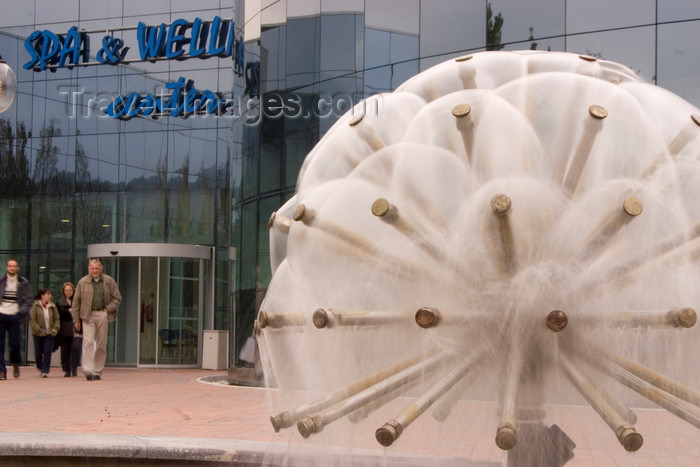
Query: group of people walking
point(52, 328)
point(78, 323)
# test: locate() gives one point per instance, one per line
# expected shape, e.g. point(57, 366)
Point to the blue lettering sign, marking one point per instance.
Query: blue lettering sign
point(50, 47)
point(214, 37)
point(46, 49)
point(206, 39)
point(185, 100)
point(33, 46)
point(111, 51)
point(71, 48)
point(196, 48)
point(151, 40)
point(173, 45)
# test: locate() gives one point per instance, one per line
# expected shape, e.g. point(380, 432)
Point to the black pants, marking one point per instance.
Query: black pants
point(9, 324)
point(42, 352)
point(71, 350)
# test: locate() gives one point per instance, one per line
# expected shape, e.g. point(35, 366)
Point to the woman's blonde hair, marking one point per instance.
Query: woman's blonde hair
point(63, 287)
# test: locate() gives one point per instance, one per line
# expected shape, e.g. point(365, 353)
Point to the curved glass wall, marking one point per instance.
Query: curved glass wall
point(337, 53)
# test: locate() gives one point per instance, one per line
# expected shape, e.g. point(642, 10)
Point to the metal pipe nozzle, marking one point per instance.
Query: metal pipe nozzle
point(427, 317)
point(506, 437)
point(388, 433)
point(629, 438)
point(557, 320)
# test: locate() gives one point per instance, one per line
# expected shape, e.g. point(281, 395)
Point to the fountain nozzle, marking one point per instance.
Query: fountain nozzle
point(685, 317)
point(320, 318)
point(427, 317)
point(557, 320)
point(388, 433)
point(309, 425)
point(281, 420)
point(505, 437)
point(629, 438)
point(500, 204)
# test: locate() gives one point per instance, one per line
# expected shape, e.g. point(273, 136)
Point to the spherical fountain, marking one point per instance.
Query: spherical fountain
point(514, 227)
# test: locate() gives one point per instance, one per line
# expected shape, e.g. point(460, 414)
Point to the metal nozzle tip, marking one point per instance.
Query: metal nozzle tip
point(632, 206)
point(262, 319)
point(557, 320)
point(500, 203)
point(687, 317)
point(356, 119)
point(427, 317)
point(279, 421)
point(299, 212)
point(320, 318)
point(380, 207)
point(387, 434)
point(307, 427)
point(598, 111)
point(505, 437)
point(461, 110)
point(630, 439)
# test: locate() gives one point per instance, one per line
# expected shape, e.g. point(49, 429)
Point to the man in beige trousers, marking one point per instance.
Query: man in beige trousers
point(95, 305)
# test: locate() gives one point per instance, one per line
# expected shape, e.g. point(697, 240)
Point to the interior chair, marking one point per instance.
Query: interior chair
point(188, 340)
point(168, 342)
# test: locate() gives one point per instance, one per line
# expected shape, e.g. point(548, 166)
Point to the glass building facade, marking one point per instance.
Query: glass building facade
point(73, 178)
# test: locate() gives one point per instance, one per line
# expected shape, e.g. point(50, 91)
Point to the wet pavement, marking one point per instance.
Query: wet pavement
point(161, 416)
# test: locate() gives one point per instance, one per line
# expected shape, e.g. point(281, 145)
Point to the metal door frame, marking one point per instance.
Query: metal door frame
point(166, 250)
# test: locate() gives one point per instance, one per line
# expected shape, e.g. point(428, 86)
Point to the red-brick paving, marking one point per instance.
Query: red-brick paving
point(159, 402)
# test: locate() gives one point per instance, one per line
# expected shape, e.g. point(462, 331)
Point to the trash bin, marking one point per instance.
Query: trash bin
point(215, 350)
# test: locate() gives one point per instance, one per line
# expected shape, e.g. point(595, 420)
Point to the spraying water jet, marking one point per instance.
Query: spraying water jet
point(505, 188)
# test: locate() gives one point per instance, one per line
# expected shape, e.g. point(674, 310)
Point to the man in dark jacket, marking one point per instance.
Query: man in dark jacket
point(15, 301)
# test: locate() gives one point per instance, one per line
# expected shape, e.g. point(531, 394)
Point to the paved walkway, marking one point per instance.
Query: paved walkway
point(151, 414)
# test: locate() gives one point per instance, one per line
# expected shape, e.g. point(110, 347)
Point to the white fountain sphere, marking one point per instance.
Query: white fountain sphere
point(530, 216)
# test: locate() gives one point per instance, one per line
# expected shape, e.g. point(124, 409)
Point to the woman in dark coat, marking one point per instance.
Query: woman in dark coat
point(69, 342)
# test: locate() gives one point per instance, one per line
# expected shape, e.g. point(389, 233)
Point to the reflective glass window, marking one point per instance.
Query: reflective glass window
point(338, 43)
point(597, 15)
point(303, 50)
point(444, 35)
point(96, 214)
point(679, 60)
point(14, 216)
point(377, 76)
point(248, 225)
point(633, 47)
point(678, 10)
point(536, 18)
point(404, 54)
point(144, 216)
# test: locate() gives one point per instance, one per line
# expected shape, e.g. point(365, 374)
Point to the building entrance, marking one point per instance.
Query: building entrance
point(164, 302)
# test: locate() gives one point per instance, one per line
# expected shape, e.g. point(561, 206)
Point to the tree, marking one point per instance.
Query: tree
point(47, 157)
point(533, 45)
point(14, 163)
point(493, 29)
